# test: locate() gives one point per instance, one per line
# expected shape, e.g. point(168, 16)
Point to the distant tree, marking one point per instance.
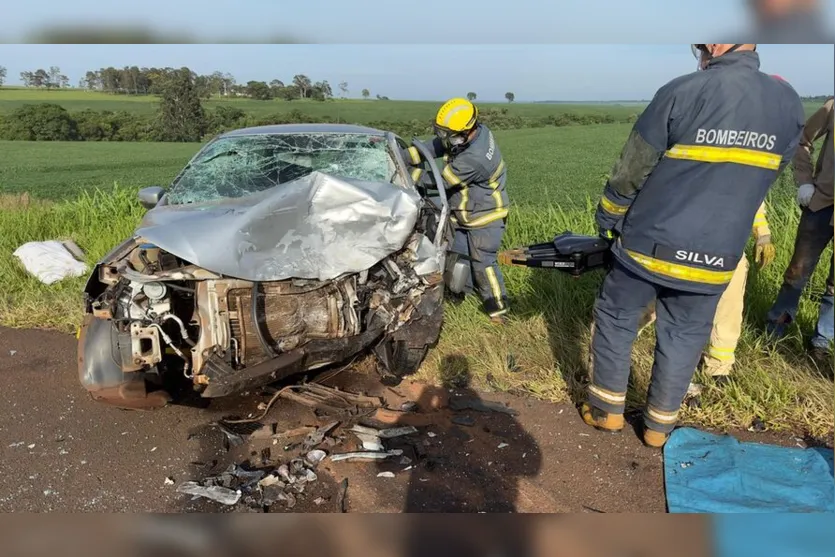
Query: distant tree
point(228, 83)
point(181, 116)
point(41, 78)
point(343, 88)
point(27, 78)
point(92, 80)
point(2, 75)
point(259, 90)
point(509, 96)
point(40, 122)
point(321, 91)
point(226, 117)
point(303, 83)
point(289, 93)
point(366, 93)
point(203, 84)
point(64, 81)
point(471, 96)
point(276, 88)
point(54, 79)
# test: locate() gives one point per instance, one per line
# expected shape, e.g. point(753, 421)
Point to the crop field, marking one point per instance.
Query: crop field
point(352, 110)
point(86, 191)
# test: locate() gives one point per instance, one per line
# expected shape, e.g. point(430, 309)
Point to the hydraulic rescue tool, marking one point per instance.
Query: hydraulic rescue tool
point(571, 253)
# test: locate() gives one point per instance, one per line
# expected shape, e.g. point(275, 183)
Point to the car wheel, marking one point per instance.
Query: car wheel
point(399, 359)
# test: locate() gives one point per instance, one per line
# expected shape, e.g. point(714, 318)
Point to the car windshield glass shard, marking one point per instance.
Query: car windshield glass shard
point(238, 166)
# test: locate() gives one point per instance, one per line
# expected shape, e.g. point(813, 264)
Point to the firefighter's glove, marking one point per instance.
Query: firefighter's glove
point(765, 251)
point(804, 194)
point(607, 235)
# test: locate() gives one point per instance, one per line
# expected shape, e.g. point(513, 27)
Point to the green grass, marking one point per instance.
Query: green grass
point(546, 166)
point(61, 170)
point(352, 110)
point(555, 176)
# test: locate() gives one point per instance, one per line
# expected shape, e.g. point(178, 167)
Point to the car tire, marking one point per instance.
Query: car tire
point(399, 359)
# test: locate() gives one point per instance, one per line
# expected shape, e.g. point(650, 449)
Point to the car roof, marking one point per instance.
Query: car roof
point(303, 128)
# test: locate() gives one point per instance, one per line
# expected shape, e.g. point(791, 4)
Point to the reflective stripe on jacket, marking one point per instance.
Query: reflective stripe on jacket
point(475, 179)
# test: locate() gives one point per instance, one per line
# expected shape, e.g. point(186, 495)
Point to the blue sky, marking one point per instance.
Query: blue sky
point(432, 72)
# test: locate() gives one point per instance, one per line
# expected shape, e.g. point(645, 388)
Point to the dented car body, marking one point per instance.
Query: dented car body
point(276, 251)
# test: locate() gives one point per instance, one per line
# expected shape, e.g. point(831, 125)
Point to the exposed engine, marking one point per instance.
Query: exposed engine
point(170, 315)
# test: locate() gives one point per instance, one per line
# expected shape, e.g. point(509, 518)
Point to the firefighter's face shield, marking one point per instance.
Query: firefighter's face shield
point(452, 141)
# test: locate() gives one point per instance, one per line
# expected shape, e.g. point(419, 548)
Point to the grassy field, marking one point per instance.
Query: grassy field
point(555, 177)
point(547, 168)
point(353, 110)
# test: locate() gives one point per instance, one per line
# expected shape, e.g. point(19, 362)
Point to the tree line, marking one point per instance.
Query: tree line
point(133, 80)
point(181, 117)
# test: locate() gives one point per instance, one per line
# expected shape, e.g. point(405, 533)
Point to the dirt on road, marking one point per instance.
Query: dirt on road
point(64, 452)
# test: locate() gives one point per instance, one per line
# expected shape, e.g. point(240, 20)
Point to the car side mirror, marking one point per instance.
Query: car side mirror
point(149, 197)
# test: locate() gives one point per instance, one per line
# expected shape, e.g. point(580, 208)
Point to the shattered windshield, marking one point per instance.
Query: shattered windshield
point(233, 167)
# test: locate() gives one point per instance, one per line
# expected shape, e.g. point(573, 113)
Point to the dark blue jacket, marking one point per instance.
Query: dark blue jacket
point(475, 179)
point(696, 167)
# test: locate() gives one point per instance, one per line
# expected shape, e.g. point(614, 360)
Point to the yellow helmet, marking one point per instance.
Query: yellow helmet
point(456, 116)
point(455, 119)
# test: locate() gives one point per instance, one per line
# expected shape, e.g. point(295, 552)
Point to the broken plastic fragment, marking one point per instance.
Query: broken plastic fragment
point(232, 439)
point(316, 456)
point(284, 472)
point(288, 498)
point(385, 475)
point(316, 437)
point(169, 481)
point(268, 481)
point(220, 494)
point(370, 442)
point(503, 445)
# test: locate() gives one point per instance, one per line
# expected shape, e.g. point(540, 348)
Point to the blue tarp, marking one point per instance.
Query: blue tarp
point(707, 473)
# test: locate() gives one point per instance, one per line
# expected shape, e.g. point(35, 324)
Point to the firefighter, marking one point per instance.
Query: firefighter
point(814, 232)
point(678, 208)
point(475, 178)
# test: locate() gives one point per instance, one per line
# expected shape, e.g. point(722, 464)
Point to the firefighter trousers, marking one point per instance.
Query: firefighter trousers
point(481, 246)
point(727, 324)
point(683, 325)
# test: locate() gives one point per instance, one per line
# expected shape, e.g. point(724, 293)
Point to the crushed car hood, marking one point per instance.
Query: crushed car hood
point(317, 227)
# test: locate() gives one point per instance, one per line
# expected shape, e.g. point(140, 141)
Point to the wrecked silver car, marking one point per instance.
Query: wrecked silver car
point(277, 250)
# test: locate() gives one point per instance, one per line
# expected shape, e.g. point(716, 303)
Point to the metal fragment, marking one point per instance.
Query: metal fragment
point(367, 455)
point(220, 494)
